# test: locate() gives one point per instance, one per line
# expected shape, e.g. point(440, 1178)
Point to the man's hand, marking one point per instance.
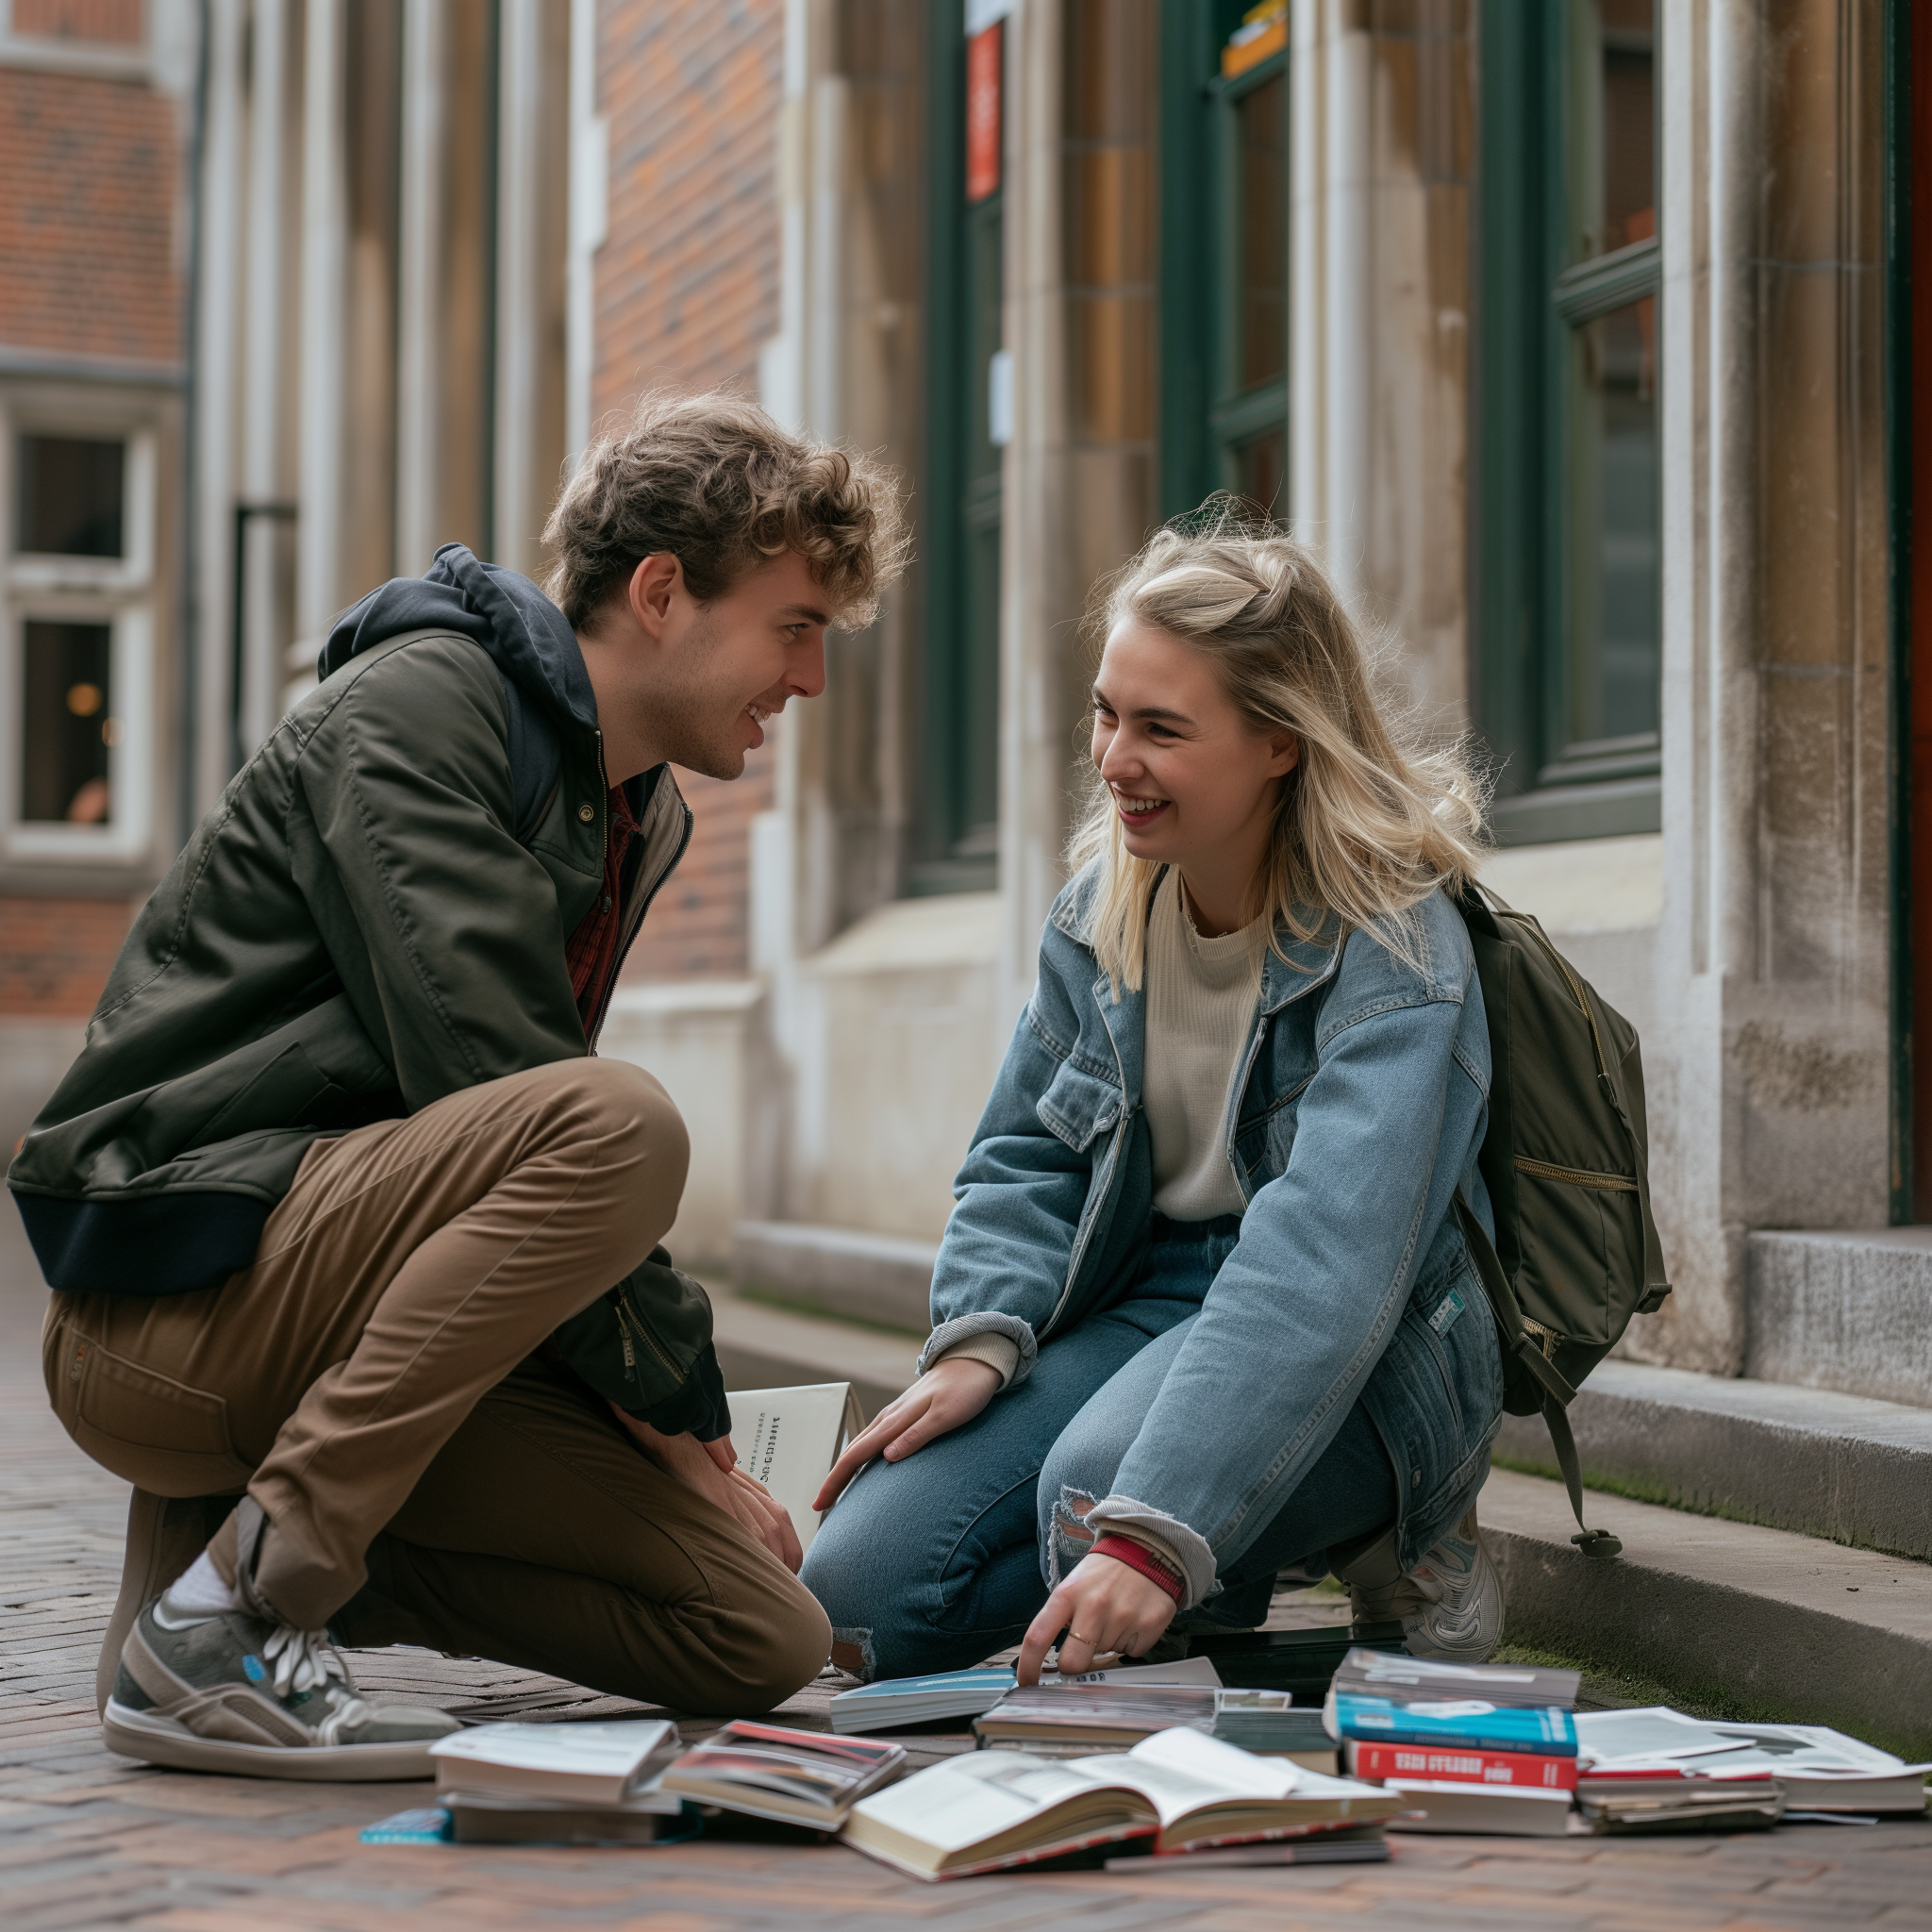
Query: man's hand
point(1103, 1605)
point(712, 1469)
point(952, 1391)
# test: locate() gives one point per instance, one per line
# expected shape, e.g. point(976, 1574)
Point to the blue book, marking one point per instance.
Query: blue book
point(919, 1700)
point(1468, 1722)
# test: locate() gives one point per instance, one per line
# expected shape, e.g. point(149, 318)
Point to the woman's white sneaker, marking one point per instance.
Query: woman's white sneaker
point(1449, 1604)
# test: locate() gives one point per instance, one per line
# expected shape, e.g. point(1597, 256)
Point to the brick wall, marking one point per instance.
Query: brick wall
point(686, 292)
point(56, 955)
point(87, 216)
point(117, 21)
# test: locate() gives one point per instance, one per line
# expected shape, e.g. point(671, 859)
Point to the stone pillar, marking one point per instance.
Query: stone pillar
point(419, 333)
point(1768, 1069)
point(319, 538)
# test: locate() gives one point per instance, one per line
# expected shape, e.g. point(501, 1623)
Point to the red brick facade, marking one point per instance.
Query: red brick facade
point(56, 955)
point(87, 262)
point(116, 23)
point(687, 293)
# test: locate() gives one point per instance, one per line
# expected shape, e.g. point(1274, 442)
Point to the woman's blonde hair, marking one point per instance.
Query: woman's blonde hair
point(1370, 821)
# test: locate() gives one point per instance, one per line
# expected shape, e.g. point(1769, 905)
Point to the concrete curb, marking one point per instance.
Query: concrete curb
point(844, 1271)
point(1808, 1460)
point(1786, 1625)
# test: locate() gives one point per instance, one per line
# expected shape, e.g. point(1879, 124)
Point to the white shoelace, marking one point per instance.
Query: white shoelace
point(306, 1660)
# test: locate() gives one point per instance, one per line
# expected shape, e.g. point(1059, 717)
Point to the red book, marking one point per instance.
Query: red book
point(1448, 1764)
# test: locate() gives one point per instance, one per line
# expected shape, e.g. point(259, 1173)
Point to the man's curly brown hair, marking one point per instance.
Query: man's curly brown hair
point(715, 482)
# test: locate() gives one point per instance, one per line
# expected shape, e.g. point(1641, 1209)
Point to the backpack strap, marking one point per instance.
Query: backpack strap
point(1557, 1392)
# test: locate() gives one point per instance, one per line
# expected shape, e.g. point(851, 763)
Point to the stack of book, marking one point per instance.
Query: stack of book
point(1301, 1662)
point(895, 1703)
point(1063, 1721)
point(1819, 1773)
point(562, 1784)
point(1180, 1791)
point(1474, 1747)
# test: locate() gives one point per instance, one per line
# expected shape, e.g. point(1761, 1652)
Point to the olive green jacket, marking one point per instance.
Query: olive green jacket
point(358, 927)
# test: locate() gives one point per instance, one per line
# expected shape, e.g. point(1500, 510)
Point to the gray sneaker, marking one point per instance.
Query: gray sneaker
point(237, 1694)
point(1449, 1604)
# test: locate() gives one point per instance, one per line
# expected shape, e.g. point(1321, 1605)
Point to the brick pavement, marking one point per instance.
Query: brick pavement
point(88, 1839)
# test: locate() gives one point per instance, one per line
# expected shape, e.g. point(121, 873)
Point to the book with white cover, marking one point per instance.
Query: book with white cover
point(989, 1810)
point(582, 1763)
point(789, 1439)
point(1820, 1769)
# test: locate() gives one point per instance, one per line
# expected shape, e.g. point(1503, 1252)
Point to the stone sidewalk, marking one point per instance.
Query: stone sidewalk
point(89, 1839)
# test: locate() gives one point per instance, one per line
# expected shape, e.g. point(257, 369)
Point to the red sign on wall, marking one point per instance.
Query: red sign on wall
point(983, 65)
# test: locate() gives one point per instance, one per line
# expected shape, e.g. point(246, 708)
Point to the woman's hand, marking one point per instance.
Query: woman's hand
point(712, 1469)
point(1102, 1606)
point(952, 1391)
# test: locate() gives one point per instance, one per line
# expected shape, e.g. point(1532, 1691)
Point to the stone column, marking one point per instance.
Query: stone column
point(1769, 1064)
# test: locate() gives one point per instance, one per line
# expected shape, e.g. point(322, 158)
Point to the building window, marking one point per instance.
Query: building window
point(1225, 181)
point(1569, 614)
point(970, 421)
point(78, 646)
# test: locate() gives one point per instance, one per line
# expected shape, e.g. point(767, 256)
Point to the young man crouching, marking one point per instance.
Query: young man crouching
point(352, 1240)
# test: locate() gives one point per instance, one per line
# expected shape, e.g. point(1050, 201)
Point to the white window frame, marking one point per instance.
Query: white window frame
point(118, 592)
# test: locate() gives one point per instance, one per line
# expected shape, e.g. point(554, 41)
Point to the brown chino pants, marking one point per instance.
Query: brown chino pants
point(367, 1381)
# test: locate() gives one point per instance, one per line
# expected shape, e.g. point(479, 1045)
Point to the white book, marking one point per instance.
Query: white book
point(988, 1810)
point(583, 1763)
point(789, 1439)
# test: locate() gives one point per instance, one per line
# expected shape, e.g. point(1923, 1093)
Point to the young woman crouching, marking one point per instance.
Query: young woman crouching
point(1202, 1312)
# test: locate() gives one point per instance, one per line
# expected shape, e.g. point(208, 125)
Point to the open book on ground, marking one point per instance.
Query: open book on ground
point(767, 1771)
point(994, 1808)
point(789, 1439)
point(896, 1702)
point(1820, 1770)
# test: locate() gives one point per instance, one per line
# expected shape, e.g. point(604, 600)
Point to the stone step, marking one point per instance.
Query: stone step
point(763, 1347)
point(1784, 1625)
point(844, 1271)
point(1812, 1460)
point(1850, 1310)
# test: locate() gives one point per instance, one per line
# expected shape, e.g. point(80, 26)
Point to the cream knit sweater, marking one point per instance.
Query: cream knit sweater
point(1201, 997)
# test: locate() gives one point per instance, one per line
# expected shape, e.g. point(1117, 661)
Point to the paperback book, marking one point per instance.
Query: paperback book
point(1437, 1805)
point(1075, 1719)
point(988, 1810)
point(1448, 1764)
point(574, 1764)
point(789, 1439)
point(897, 1702)
point(1349, 1845)
point(1404, 1679)
point(1468, 1723)
point(570, 1784)
point(799, 1777)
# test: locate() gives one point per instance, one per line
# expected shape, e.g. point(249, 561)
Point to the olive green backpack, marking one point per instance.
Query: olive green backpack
point(1577, 1252)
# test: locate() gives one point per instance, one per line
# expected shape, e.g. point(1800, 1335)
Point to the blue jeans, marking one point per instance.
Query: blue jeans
point(936, 1562)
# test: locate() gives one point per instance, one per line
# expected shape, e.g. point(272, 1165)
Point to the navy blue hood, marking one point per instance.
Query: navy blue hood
point(526, 635)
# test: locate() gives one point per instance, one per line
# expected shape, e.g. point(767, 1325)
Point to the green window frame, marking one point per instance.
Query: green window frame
point(956, 841)
point(1568, 612)
point(1223, 264)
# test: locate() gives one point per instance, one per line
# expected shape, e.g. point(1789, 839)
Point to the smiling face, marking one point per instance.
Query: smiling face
point(695, 683)
point(1193, 783)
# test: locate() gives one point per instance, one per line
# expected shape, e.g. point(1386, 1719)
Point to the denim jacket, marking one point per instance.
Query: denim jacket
point(1358, 1110)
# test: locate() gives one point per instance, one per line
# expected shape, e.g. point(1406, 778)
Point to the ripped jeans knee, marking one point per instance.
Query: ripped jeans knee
point(1068, 1537)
